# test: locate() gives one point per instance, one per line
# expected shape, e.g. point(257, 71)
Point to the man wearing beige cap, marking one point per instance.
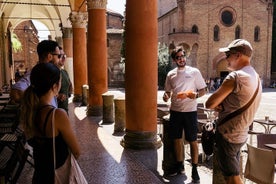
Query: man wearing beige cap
point(241, 88)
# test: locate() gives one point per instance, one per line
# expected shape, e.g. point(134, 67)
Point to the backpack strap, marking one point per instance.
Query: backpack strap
point(240, 110)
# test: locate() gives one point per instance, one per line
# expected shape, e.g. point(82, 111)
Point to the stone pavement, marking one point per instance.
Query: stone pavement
point(105, 161)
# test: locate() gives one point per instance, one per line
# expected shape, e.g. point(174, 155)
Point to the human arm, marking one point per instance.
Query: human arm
point(214, 101)
point(63, 125)
point(193, 95)
point(166, 96)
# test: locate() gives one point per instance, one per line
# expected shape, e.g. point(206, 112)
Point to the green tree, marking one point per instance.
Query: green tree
point(16, 44)
point(164, 64)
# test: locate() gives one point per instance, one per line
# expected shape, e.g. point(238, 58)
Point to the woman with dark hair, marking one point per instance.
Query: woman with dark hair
point(36, 115)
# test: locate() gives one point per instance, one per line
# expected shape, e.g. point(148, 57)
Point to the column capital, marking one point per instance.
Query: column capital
point(96, 4)
point(78, 19)
point(67, 32)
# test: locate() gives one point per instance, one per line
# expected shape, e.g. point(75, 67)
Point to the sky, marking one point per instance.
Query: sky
point(115, 5)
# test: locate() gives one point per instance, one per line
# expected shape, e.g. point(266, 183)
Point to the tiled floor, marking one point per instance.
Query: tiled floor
point(105, 161)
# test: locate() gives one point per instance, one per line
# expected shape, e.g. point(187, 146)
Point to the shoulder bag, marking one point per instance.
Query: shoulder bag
point(70, 171)
point(208, 130)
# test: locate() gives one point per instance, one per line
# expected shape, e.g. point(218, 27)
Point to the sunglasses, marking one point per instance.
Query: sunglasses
point(58, 55)
point(180, 57)
point(63, 56)
point(228, 54)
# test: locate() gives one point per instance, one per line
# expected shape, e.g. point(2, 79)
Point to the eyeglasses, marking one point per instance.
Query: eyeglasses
point(180, 57)
point(58, 55)
point(228, 54)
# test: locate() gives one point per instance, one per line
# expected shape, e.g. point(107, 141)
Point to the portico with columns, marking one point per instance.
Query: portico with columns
point(82, 33)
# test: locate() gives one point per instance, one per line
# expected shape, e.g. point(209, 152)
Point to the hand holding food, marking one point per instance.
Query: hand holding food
point(186, 94)
point(181, 95)
point(191, 94)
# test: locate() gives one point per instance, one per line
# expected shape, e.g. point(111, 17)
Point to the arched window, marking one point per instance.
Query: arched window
point(194, 29)
point(173, 30)
point(216, 33)
point(257, 34)
point(238, 32)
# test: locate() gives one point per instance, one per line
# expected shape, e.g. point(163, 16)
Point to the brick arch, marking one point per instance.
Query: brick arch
point(172, 46)
point(186, 47)
point(219, 64)
point(221, 67)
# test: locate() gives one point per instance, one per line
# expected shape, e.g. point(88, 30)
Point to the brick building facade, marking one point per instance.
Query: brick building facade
point(202, 27)
point(27, 57)
point(114, 31)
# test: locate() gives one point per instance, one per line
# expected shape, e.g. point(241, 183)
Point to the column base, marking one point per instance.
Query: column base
point(94, 110)
point(77, 98)
point(141, 140)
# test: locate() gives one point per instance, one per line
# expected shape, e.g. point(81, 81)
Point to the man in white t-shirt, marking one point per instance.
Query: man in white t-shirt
point(184, 85)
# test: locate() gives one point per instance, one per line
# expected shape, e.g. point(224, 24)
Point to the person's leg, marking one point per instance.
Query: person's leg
point(194, 155)
point(176, 133)
point(194, 151)
point(190, 128)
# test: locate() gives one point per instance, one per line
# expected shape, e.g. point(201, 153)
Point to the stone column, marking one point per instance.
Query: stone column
point(108, 108)
point(141, 75)
point(67, 35)
point(97, 55)
point(79, 22)
point(120, 113)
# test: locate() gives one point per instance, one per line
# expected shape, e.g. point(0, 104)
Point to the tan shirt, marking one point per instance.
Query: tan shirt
point(246, 82)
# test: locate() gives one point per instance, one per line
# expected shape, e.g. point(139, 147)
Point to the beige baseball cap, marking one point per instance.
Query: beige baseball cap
point(240, 45)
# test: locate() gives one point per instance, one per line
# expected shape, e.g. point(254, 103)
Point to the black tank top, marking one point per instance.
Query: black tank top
point(43, 155)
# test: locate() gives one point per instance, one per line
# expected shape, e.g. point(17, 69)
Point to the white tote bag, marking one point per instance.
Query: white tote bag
point(70, 171)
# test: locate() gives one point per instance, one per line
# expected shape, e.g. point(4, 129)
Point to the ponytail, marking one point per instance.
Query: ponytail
point(30, 103)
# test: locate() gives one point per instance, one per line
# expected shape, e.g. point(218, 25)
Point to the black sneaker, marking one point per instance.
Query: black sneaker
point(171, 172)
point(181, 169)
point(195, 176)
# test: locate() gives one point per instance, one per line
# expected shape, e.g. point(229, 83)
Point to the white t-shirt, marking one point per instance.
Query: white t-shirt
point(183, 80)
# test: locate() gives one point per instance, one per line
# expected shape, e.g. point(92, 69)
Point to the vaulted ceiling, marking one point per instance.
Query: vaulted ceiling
point(52, 13)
